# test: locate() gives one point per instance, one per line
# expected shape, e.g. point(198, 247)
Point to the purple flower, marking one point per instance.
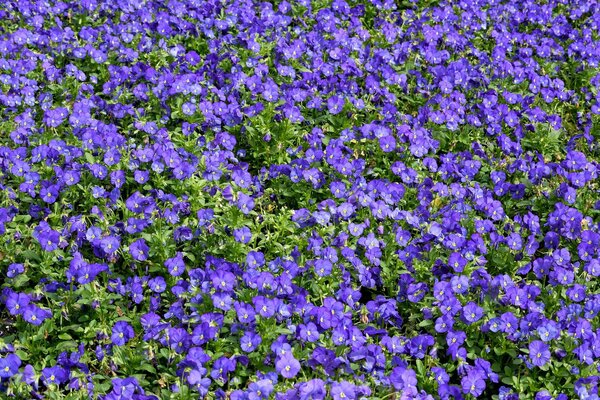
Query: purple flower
point(245, 203)
point(55, 375)
point(323, 267)
point(242, 235)
point(88, 272)
point(223, 281)
point(441, 376)
point(335, 104)
point(140, 176)
point(309, 332)
point(315, 388)
point(55, 117)
point(196, 379)
point(457, 262)
point(36, 315)
point(548, 331)
point(250, 341)
point(261, 389)
point(179, 339)
point(255, 259)
point(539, 353)
point(49, 239)
point(514, 241)
point(460, 284)
point(138, 250)
point(49, 194)
point(404, 379)
point(343, 391)
point(14, 270)
point(117, 178)
point(473, 383)
point(287, 366)
point(9, 365)
point(110, 244)
point(245, 313)
point(175, 265)
point(419, 344)
point(576, 293)
point(222, 301)
point(222, 367)
point(387, 144)
point(472, 313)
point(444, 323)
point(122, 333)
point(157, 284)
point(16, 303)
point(188, 108)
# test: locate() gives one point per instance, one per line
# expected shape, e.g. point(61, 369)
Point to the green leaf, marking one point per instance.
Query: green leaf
point(22, 355)
point(148, 368)
point(31, 255)
point(68, 345)
point(20, 281)
point(420, 367)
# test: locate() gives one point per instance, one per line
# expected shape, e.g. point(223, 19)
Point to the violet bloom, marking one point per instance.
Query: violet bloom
point(188, 108)
point(242, 235)
point(122, 333)
point(9, 365)
point(139, 250)
point(314, 388)
point(16, 303)
point(245, 203)
point(419, 344)
point(287, 365)
point(548, 331)
point(441, 376)
point(110, 244)
point(175, 265)
point(473, 383)
point(245, 313)
point(29, 376)
point(196, 379)
point(179, 339)
point(539, 353)
point(335, 104)
point(250, 341)
point(343, 391)
point(261, 389)
point(141, 177)
point(222, 367)
point(404, 379)
point(49, 194)
point(472, 313)
point(54, 118)
point(460, 284)
point(88, 272)
point(157, 284)
point(55, 375)
point(36, 315)
point(49, 239)
point(309, 332)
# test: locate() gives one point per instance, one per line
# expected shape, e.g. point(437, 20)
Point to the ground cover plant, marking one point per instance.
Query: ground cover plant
point(236, 199)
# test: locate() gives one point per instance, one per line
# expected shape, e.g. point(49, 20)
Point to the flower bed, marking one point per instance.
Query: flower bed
point(307, 200)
